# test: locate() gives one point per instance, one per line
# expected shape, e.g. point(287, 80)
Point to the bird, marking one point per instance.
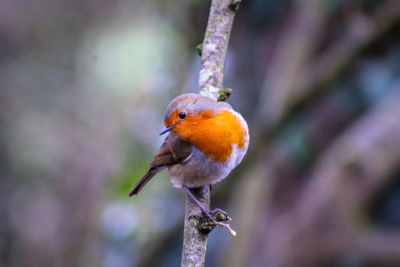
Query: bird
point(206, 140)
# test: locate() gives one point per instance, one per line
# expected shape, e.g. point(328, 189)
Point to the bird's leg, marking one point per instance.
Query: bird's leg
point(219, 214)
point(195, 200)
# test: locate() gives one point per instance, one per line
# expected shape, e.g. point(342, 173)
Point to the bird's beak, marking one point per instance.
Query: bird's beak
point(167, 129)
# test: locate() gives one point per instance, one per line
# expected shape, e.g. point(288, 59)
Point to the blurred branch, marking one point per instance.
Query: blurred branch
point(293, 49)
point(358, 161)
point(362, 32)
point(371, 247)
point(285, 92)
point(256, 200)
point(213, 52)
point(362, 158)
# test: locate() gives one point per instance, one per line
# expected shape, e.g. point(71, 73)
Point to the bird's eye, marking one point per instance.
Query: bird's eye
point(182, 115)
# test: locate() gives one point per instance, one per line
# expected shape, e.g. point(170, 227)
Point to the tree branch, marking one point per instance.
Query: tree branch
point(214, 48)
point(194, 242)
point(213, 51)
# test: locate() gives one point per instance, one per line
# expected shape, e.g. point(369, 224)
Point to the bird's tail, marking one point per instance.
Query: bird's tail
point(145, 179)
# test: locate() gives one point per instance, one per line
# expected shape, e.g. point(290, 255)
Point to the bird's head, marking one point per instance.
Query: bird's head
point(184, 114)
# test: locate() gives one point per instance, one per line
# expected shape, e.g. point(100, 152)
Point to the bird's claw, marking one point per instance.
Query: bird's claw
point(220, 215)
point(207, 222)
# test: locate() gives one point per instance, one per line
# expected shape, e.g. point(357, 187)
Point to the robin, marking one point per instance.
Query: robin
point(206, 140)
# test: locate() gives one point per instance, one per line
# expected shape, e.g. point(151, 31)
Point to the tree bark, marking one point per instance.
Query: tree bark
point(213, 52)
point(195, 242)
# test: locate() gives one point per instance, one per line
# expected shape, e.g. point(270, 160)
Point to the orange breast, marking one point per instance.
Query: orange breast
point(214, 136)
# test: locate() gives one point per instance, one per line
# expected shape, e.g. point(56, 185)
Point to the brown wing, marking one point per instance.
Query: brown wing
point(171, 152)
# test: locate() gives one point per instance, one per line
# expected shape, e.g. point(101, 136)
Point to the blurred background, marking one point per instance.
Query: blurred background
point(84, 85)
